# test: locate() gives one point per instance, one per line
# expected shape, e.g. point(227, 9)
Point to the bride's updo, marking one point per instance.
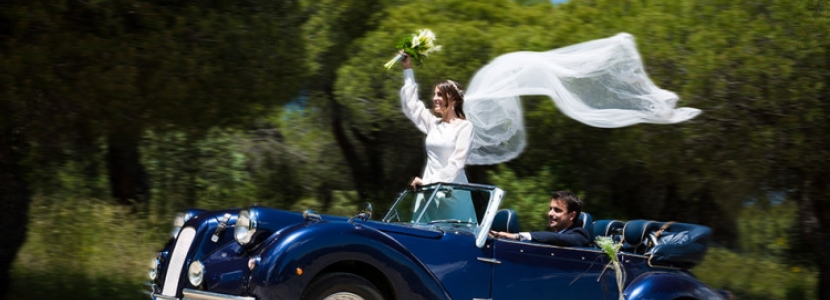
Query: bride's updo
point(453, 91)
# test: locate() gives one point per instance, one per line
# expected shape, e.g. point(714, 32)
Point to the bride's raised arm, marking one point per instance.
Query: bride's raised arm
point(413, 108)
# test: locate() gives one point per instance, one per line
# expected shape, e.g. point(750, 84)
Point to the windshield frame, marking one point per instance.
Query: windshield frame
point(480, 230)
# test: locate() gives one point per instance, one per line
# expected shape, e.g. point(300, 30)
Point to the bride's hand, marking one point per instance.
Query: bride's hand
point(406, 62)
point(416, 183)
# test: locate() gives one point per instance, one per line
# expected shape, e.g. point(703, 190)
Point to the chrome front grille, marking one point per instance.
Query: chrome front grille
point(175, 264)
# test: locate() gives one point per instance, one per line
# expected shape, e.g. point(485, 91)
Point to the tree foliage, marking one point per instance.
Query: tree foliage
point(184, 93)
point(74, 72)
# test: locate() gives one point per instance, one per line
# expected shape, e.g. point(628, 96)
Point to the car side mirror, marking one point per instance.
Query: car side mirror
point(365, 214)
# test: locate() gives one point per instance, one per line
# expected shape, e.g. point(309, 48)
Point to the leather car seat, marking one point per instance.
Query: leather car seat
point(588, 224)
point(636, 232)
point(506, 220)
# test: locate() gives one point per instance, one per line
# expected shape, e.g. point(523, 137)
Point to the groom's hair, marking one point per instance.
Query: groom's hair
point(571, 200)
point(453, 90)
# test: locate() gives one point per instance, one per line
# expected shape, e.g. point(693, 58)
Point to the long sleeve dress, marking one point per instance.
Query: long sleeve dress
point(447, 147)
point(447, 144)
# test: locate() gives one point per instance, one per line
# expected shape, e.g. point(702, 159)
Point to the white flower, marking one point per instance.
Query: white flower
point(421, 34)
point(429, 50)
point(422, 43)
point(427, 34)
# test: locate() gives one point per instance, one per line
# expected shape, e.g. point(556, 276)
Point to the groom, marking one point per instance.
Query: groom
point(565, 228)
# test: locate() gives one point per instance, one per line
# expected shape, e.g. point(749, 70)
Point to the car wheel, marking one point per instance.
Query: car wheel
point(341, 286)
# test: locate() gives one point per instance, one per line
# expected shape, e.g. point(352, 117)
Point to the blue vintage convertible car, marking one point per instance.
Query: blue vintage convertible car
point(432, 244)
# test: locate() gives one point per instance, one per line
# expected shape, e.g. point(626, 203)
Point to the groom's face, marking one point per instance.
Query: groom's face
point(559, 216)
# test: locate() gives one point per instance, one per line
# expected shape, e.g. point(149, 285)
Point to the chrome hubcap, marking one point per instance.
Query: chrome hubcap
point(343, 296)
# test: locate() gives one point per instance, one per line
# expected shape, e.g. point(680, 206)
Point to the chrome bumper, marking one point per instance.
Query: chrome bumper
point(190, 294)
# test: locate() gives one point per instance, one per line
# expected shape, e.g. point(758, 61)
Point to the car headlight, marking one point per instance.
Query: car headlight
point(245, 228)
point(154, 269)
point(196, 273)
point(178, 222)
point(182, 217)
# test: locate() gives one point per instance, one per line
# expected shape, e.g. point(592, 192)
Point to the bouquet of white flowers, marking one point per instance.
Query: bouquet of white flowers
point(418, 47)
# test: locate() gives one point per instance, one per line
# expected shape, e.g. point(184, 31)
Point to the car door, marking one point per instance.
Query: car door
point(525, 270)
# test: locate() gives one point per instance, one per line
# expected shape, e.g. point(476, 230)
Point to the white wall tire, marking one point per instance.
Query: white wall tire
point(341, 286)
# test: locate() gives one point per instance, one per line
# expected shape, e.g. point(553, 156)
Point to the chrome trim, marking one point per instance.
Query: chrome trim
point(196, 273)
point(540, 245)
point(245, 220)
point(191, 294)
point(489, 260)
point(312, 216)
point(175, 265)
point(223, 223)
point(483, 230)
point(155, 296)
point(150, 289)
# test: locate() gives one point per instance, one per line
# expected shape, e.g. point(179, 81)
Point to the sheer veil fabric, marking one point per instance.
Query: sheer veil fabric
point(601, 83)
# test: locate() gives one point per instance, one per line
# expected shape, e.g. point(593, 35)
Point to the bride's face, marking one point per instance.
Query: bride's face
point(438, 102)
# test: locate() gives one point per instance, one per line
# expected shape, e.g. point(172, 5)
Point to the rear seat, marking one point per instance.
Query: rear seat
point(612, 228)
point(685, 249)
point(635, 235)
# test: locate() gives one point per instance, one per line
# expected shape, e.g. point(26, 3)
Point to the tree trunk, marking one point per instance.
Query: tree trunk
point(128, 180)
point(824, 276)
point(350, 154)
point(478, 173)
point(15, 199)
point(814, 226)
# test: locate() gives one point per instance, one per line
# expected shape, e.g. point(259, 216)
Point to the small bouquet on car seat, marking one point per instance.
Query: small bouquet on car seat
point(609, 247)
point(419, 46)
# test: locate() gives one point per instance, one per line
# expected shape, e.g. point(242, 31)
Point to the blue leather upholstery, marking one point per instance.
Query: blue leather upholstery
point(636, 232)
point(588, 224)
point(681, 245)
point(610, 228)
point(506, 220)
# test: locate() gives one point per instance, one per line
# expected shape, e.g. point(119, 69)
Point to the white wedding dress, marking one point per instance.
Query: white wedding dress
point(447, 144)
point(447, 147)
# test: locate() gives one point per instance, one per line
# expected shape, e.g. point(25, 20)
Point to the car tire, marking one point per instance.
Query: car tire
point(345, 286)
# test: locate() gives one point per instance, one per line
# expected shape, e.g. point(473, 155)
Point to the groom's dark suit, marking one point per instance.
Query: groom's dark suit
point(573, 236)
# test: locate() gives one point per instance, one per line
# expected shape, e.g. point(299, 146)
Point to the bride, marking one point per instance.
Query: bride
point(601, 83)
point(448, 141)
point(449, 134)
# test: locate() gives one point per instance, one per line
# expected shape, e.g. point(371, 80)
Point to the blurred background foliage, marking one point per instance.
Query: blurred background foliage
point(117, 114)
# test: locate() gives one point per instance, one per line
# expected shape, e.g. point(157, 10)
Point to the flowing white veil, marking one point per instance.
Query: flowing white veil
point(601, 83)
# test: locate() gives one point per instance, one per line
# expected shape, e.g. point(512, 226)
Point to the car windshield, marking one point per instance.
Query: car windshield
point(441, 203)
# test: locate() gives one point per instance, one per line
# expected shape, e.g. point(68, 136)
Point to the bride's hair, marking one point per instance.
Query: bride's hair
point(453, 91)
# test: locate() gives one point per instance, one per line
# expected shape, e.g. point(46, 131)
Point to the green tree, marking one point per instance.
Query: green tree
point(334, 28)
point(74, 71)
point(388, 149)
point(758, 71)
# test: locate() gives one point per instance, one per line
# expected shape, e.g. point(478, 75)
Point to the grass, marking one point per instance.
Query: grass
point(85, 250)
point(756, 277)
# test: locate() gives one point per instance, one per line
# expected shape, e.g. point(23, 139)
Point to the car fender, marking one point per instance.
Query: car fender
point(301, 252)
point(667, 286)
